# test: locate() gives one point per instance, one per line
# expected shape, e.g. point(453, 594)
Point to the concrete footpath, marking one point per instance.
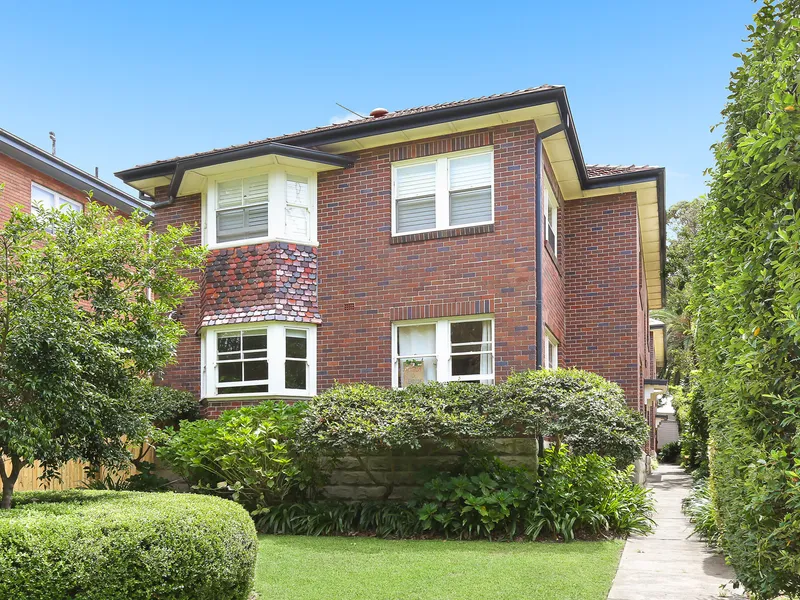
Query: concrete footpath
point(671, 564)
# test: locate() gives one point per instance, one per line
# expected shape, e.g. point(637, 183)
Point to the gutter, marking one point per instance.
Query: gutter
point(207, 160)
point(68, 174)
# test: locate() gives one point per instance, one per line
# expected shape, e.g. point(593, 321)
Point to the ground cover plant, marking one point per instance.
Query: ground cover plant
point(101, 545)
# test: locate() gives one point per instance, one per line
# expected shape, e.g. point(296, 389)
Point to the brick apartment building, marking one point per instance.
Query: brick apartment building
point(460, 241)
point(34, 177)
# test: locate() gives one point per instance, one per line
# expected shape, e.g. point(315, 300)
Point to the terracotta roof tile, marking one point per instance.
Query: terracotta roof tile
point(346, 124)
point(605, 170)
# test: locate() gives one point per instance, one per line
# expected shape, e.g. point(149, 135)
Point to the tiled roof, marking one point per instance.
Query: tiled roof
point(605, 170)
point(346, 124)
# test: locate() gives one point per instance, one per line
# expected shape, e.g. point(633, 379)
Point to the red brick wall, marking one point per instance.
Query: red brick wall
point(185, 373)
point(602, 290)
point(363, 275)
point(18, 179)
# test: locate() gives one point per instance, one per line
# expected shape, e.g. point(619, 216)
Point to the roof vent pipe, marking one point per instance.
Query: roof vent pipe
point(377, 113)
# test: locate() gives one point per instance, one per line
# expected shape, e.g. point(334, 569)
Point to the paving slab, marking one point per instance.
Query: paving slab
point(672, 563)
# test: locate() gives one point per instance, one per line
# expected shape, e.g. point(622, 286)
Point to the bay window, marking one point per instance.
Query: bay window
point(459, 349)
point(452, 190)
point(260, 206)
point(259, 359)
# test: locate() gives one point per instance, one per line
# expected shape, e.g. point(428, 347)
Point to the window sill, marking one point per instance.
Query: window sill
point(259, 241)
point(239, 397)
point(553, 257)
point(439, 234)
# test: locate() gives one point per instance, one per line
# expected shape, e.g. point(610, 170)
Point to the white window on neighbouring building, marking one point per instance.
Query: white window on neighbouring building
point(550, 350)
point(45, 199)
point(259, 359)
point(457, 349)
point(265, 204)
point(451, 190)
point(550, 206)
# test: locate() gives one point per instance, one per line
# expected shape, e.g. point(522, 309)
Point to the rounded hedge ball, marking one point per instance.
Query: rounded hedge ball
point(98, 545)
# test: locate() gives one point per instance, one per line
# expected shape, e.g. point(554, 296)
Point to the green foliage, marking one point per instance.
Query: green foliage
point(747, 302)
point(249, 454)
point(79, 331)
point(670, 452)
point(579, 408)
point(125, 546)
point(588, 494)
point(578, 495)
point(692, 419)
point(683, 223)
point(699, 507)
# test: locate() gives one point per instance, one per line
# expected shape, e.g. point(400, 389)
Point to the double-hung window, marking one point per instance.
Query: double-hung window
point(242, 363)
point(443, 350)
point(44, 199)
point(550, 206)
point(550, 350)
point(452, 190)
point(260, 206)
point(242, 209)
point(259, 359)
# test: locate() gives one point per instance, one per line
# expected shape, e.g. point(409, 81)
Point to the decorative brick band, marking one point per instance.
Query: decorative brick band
point(442, 146)
point(442, 234)
point(448, 309)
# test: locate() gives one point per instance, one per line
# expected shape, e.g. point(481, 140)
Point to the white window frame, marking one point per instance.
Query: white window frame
point(550, 357)
point(276, 359)
point(442, 353)
point(442, 194)
point(551, 212)
point(277, 177)
point(60, 199)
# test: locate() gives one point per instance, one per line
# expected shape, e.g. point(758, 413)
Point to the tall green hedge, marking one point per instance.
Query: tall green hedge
point(90, 545)
point(747, 305)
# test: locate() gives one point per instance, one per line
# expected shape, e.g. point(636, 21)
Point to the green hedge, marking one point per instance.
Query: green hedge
point(92, 545)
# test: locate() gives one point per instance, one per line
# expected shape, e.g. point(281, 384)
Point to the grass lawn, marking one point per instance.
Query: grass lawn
point(332, 568)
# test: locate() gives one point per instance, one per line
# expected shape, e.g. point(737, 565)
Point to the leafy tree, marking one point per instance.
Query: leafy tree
point(86, 300)
point(747, 302)
point(683, 227)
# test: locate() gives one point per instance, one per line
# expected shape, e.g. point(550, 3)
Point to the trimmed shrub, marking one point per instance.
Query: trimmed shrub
point(670, 452)
point(89, 545)
point(747, 301)
point(581, 409)
point(248, 454)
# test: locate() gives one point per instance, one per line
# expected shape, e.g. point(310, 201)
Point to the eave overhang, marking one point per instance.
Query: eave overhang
point(658, 329)
point(188, 175)
point(62, 171)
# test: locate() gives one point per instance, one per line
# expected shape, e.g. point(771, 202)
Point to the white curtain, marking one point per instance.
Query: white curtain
point(419, 340)
point(487, 360)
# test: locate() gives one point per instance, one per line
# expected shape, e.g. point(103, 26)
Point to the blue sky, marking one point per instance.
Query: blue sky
point(127, 83)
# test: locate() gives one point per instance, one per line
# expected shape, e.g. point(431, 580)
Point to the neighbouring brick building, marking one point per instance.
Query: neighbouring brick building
point(407, 246)
point(33, 177)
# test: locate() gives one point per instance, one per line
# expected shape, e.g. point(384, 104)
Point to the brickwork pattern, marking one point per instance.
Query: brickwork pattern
point(363, 276)
point(602, 295)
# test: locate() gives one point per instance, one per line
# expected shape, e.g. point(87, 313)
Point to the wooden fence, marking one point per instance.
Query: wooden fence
point(73, 474)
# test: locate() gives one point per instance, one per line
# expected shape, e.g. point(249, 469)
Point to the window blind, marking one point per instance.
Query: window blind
point(416, 197)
